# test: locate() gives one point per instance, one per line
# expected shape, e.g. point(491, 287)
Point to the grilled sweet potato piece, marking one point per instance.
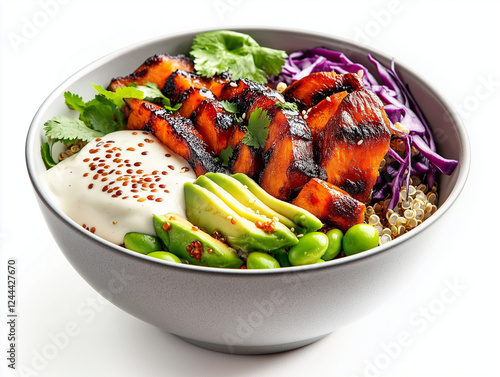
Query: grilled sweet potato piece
point(289, 165)
point(316, 86)
point(180, 81)
point(233, 90)
point(139, 113)
point(255, 98)
point(155, 69)
point(354, 142)
point(332, 205)
point(288, 153)
point(319, 115)
point(245, 159)
point(176, 132)
point(191, 99)
point(214, 123)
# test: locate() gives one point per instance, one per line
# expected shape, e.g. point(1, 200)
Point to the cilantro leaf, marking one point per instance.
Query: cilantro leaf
point(230, 107)
point(117, 96)
point(74, 101)
point(287, 105)
point(225, 155)
point(103, 115)
point(153, 94)
point(257, 129)
point(215, 52)
point(68, 130)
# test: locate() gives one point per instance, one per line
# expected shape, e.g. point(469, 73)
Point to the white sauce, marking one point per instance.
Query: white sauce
point(115, 184)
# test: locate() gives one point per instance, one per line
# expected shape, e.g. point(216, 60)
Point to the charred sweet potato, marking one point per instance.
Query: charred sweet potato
point(264, 99)
point(156, 69)
point(354, 142)
point(288, 152)
point(233, 90)
point(245, 159)
point(332, 205)
point(176, 132)
point(316, 86)
point(191, 99)
point(319, 115)
point(139, 113)
point(214, 123)
point(288, 166)
point(180, 81)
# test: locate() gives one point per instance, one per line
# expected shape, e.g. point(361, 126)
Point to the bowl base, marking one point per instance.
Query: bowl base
point(251, 350)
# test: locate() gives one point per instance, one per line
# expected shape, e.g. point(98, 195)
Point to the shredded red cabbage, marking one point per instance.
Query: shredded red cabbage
point(400, 107)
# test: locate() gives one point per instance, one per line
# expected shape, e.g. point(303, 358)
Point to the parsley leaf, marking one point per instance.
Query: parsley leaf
point(257, 129)
point(215, 52)
point(225, 155)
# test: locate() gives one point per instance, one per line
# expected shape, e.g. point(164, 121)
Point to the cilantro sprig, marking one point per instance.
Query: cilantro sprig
point(257, 129)
point(97, 117)
point(225, 155)
point(215, 52)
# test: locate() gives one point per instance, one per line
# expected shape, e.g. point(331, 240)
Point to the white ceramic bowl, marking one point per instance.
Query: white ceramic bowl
point(248, 311)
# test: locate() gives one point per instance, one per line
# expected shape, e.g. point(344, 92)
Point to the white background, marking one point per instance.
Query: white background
point(453, 44)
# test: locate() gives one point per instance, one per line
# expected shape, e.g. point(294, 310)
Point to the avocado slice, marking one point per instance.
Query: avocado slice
point(178, 235)
point(208, 211)
point(300, 216)
point(248, 199)
point(278, 229)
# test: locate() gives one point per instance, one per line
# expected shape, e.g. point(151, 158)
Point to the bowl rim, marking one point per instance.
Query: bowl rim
point(462, 173)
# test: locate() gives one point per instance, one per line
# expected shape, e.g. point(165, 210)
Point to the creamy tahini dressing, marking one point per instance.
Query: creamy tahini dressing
point(116, 183)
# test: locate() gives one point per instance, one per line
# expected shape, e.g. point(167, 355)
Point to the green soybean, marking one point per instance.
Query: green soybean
point(334, 244)
point(259, 260)
point(142, 243)
point(165, 255)
point(360, 237)
point(309, 250)
point(281, 256)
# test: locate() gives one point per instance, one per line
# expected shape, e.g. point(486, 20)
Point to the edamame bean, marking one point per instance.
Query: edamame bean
point(282, 257)
point(334, 244)
point(259, 260)
point(360, 237)
point(165, 255)
point(309, 250)
point(142, 243)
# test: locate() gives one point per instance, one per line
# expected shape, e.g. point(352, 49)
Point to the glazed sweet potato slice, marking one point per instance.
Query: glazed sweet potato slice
point(245, 159)
point(316, 86)
point(256, 98)
point(180, 81)
point(176, 132)
point(233, 90)
point(191, 99)
point(214, 123)
point(318, 116)
point(289, 165)
point(288, 152)
point(332, 205)
point(354, 142)
point(155, 69)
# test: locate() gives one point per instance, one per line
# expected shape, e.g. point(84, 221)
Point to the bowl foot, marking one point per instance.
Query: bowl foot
point(252, 350)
